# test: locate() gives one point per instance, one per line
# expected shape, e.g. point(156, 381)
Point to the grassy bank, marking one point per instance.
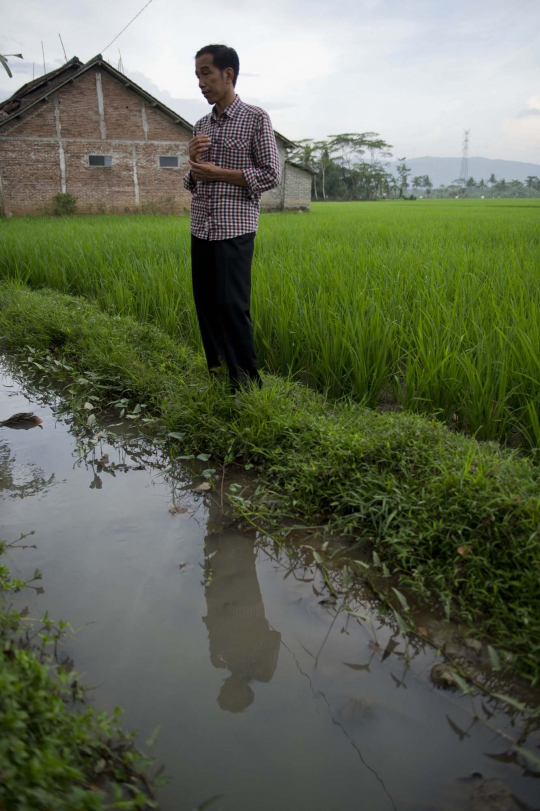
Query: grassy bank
point(55, 753)
point(436, 302)
point(456, 520)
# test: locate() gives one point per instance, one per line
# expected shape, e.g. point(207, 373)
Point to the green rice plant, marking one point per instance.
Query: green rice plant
point(436, 300)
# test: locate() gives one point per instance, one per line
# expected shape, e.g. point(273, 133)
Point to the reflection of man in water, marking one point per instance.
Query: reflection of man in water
point(241, 640)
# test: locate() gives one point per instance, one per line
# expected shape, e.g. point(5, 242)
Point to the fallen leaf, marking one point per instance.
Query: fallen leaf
point(176, 510)
point(463, 550)
point(423, 630)
point(203, 486)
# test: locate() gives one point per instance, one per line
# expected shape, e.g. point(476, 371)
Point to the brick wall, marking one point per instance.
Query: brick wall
point(297, 188)
point(273, 200)
point(46, 150)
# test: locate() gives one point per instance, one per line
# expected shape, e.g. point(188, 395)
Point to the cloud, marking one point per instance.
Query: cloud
point(532, 109)
point(418, 73)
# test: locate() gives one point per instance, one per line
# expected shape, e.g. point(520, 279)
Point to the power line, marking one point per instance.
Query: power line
point(127, 26)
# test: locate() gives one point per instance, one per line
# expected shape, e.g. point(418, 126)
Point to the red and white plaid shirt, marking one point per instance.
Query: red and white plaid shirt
point(242, 138)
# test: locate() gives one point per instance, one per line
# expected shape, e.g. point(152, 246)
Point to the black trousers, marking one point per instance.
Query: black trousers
point(221, 277)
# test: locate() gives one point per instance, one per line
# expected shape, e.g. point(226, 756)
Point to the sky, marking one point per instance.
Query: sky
point(418, 72)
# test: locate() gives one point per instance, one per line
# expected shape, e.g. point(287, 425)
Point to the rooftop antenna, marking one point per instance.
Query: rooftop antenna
point(64, 50)
point(33, 70)
point(120, 63)
point(464, 171)
point(43, 52)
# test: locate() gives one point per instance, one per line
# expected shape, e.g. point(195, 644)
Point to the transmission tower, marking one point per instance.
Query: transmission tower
point(464, 171)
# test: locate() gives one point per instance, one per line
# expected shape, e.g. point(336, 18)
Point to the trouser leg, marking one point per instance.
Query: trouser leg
point(204, 277)
point(233, 262)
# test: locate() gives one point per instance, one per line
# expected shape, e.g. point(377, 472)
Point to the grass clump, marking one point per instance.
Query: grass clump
point(55, 755)
point(455, 520)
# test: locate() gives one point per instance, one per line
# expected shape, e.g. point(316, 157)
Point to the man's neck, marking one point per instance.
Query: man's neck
point(224, 102)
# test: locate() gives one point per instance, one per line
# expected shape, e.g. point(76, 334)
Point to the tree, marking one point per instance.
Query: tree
point(323, 150)
point(417, 182)
point(428, 185)
point(4, 61)
point(471, 183)
point(403, 171)
point(533, 182)
point(492, 180)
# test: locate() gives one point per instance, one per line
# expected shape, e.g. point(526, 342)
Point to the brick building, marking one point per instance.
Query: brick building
point(88, 130)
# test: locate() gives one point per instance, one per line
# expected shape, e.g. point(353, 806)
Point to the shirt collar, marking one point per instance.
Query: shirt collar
point(228, 112)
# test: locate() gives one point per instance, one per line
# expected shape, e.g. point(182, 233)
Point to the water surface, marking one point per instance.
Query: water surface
point(265, 695)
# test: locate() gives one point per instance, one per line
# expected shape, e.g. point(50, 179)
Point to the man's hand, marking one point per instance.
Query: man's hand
point(197, 146)
point(205, 172)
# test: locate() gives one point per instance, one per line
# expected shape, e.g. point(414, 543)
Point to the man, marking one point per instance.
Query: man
point(233, 159)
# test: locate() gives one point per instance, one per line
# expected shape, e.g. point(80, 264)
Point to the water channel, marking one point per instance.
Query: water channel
point(265, 694)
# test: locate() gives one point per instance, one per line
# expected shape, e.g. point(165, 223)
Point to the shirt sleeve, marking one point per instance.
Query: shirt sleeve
point(189, 183)
point(266, 173)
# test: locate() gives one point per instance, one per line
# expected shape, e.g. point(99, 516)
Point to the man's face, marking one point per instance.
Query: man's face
point(213, 82)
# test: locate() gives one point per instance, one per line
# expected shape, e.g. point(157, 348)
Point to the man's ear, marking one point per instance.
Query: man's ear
point(229, 74)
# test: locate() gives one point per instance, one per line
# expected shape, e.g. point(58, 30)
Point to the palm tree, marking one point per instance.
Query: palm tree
point(492, 180)
point(428, 185)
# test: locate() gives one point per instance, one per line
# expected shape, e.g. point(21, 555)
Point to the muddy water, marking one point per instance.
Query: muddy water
point(265, 695)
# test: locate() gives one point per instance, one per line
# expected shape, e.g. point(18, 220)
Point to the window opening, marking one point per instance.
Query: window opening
point(99, 160)
point(168, 161)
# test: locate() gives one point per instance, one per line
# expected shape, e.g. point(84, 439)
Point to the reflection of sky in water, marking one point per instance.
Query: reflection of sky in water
point(264, 694)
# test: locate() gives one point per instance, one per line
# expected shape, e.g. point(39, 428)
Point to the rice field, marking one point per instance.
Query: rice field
point(433, 305)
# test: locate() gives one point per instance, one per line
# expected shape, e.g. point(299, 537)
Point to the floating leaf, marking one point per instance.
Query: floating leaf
point(530, 756)
point(402, 625)
point(203, 486)
point(402, 599)
point(176, 435)
point(178, 510)
point(153, 735)
point(357, 667)
point(494, 658)
point(512, 701)
point(461, 683)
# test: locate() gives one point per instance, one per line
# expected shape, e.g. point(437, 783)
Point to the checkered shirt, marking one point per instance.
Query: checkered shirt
point(242, 137)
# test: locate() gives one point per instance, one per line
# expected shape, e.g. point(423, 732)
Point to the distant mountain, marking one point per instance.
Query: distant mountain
point(445, 170)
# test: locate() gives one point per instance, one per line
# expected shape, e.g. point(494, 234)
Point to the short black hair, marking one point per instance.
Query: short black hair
point(222, 57)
